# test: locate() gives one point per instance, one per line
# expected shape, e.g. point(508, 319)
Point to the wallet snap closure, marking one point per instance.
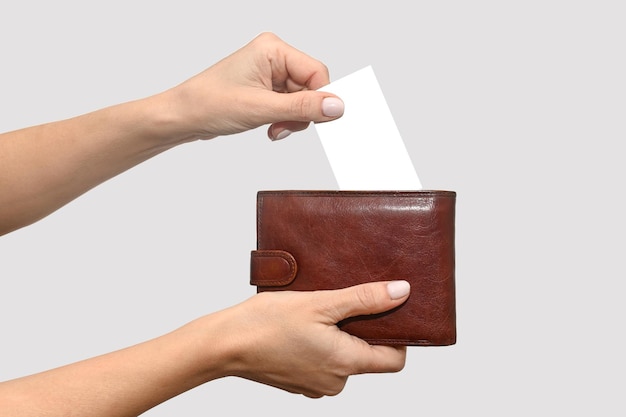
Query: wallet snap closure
point(272, 268)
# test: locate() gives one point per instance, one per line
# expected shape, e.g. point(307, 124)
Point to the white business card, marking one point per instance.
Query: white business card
point(364, 146)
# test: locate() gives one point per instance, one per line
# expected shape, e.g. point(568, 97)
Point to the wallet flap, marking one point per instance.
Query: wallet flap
point(272, 268)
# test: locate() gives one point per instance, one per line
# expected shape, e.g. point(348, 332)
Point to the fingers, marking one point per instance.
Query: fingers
point(291, 67)
point(380, 359)
point(293, 103)
point(369, 298)
point(281, 130)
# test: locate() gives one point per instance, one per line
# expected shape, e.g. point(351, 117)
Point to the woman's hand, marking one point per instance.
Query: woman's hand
point(247, 89)
point(290, 340)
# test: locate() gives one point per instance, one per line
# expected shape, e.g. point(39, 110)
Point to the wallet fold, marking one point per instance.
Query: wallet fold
point(317, 240)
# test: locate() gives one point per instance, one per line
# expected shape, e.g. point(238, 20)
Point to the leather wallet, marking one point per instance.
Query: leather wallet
point(316, 240)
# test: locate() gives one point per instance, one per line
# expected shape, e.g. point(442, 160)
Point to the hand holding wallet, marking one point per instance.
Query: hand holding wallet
point(316, 240)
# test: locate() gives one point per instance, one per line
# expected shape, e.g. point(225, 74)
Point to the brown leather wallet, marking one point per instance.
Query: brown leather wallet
point(316, 240)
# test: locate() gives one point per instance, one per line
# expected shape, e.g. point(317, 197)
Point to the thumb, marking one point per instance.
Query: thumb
point(305, 106)
point(363, 299)
point(292, 112)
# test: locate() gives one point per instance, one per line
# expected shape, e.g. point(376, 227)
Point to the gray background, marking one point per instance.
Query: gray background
point(518, 106)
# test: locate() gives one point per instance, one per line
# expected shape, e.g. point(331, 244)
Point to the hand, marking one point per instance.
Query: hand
point(290, 340)
point(247, 89)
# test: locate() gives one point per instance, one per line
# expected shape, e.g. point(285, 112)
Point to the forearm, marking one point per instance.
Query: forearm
point(44, 167)
point(123, 383)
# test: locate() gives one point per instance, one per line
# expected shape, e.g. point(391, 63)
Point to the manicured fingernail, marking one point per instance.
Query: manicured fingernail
point(283, 134)
point(332, 107)
point(398, 289)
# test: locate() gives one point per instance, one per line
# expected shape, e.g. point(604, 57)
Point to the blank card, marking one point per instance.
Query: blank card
point(364, 146)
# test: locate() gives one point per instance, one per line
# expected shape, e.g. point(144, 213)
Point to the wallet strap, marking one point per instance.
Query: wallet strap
point(272, 268)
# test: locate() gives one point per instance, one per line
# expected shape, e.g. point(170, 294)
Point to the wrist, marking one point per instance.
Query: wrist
point(210, 348)
point(163, 121)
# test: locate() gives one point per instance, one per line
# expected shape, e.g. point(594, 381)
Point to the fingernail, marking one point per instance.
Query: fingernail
point(332, 107)
point(398, 289)
point(283, 134)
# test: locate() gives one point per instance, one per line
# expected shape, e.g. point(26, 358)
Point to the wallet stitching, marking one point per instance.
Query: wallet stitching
point(348, 193)
point(418, 342)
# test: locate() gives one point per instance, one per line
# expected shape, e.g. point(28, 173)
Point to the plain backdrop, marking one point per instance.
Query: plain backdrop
point(518, 106)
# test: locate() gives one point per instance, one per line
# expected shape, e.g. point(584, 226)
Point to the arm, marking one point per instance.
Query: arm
point(285, 339)
point(44, 167)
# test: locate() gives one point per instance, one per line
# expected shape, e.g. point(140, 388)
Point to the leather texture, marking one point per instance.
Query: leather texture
point(316, 240)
